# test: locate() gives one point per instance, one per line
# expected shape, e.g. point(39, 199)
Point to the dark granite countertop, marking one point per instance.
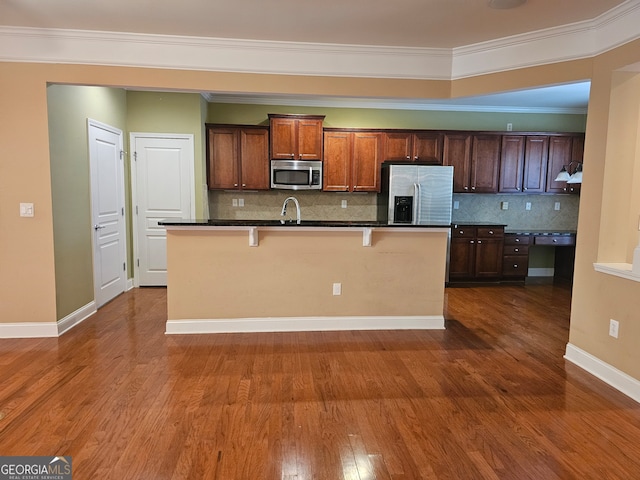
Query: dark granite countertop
point(276, 223)
point(541, 232)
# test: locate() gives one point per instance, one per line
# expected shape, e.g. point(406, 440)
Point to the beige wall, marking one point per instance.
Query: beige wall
point(217, 275)
point(27, 273)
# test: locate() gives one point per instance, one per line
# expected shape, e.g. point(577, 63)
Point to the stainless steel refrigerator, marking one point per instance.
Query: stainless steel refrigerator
point(416, 194)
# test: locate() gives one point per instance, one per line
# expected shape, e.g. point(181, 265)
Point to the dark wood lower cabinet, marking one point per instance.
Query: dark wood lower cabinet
point(515, 260)
point(476, 253)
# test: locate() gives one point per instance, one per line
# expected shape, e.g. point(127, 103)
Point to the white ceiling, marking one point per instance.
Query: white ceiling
point(408, 23)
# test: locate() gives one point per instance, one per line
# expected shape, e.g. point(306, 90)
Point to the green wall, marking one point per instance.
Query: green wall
point(69, 107)
point(375, 118)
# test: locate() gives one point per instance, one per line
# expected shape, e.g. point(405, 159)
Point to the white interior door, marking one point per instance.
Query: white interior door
point(107, 211)
point(163, 187)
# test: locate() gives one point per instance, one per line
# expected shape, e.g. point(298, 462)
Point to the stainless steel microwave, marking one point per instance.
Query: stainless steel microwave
point(296, 174)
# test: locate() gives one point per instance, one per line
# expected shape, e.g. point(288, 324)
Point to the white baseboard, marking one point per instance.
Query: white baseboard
point(605, 372)
point(304, 324)
point(47, 329)
point(73, 319)
point(28, 330)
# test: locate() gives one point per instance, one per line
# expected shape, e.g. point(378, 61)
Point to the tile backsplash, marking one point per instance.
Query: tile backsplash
point(362, 206)
point(542, 215)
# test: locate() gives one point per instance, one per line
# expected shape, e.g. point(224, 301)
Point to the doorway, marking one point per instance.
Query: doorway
point(107, 211)
point(162, 184)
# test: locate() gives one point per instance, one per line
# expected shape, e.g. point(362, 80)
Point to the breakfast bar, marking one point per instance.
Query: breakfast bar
point(265, 276)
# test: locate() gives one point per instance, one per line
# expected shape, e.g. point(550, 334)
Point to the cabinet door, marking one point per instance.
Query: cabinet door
point(366, 162)
point(485, 163)
point(397, 146)
point(254, 159)
point(283, 138)
point(222, 159)
point(309, 139)
point(488, 262)
point(511, 163)
point(560, 150)
point(457, 152)
point(337, 161)
point(427, 147)
point(535, 164)
point(462, 258)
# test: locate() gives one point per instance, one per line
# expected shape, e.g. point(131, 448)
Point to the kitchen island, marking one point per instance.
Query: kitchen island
point(259, 276)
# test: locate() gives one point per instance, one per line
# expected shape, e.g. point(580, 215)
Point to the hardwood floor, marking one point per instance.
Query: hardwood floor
point(490, 397)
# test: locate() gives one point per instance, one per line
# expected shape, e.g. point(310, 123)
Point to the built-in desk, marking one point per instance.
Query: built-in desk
point(519, 245)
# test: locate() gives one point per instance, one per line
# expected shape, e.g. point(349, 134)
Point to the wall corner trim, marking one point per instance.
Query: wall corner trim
point(605, 372)
point(77, 317)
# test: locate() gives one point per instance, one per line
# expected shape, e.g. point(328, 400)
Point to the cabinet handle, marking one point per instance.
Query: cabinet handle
point(235, 184)
point(244, 184)
point(461, 232)
point(515, 265)
point(471, 241)
point(490, 232)
point(473, 188)
point(517, 239)
point(516, 249)
point(293, 156)
point(466, 188)
point(416, 158)
point(408, 157)
point(555, 241)
point(525, 188)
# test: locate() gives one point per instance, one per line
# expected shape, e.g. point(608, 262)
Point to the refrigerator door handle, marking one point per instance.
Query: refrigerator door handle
point(417, 211)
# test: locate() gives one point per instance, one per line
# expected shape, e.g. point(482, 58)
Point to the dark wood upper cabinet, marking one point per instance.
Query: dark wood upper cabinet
point(457, 153)
point(563, 149)
point(485, 163)
point(352, 161)
point(523, 163)
point(512, 164)
point(422, 146)
point(296, 137)
point(237, 158)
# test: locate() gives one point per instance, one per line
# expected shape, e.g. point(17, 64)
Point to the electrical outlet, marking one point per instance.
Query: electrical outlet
point(613, 328)
point(344, 204)
point(234, 202)
point(509, 127)
point(556, 206)
point(504, 205)
point(527, 206)
point(337, 289)
point(241, 202)
point(456, 204)
point(26, 210)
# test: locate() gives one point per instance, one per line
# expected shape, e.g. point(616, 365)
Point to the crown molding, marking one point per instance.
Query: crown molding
point(570, 42)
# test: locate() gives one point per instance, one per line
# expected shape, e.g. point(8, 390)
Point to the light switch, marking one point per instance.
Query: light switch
point(337, 289)
point(527, 206)
point(26, 210)
point(344, 204)
point(456, 204)
point(504, 205)
point(241, 202)
point(556, 206)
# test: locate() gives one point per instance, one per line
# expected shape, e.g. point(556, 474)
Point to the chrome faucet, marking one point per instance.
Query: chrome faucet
point(284, 209)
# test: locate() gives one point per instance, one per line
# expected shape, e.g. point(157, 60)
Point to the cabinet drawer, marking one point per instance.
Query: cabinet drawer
point(463, 232)
point(516, 239)
point(554, 240)
point(515, 266)
point(490, 232)
point(516, 249)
